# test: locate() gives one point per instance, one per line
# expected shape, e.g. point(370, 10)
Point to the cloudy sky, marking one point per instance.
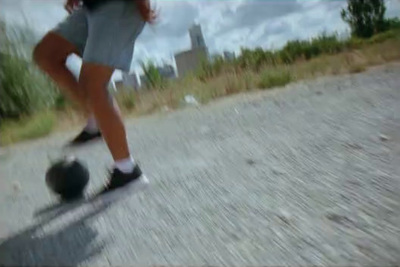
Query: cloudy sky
point(226, 24)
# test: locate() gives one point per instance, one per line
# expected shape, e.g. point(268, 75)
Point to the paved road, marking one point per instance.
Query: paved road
point(309, 174)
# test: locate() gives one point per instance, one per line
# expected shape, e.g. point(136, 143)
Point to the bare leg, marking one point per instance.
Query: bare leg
point(94, 79)
point(50, 55)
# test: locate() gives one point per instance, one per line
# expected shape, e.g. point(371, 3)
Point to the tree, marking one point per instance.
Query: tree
point(365, 17)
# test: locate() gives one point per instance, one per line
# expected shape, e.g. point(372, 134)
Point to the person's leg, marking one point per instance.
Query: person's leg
point(126, 174)
point(51, 54)
point(106, 50)
point(94, 79)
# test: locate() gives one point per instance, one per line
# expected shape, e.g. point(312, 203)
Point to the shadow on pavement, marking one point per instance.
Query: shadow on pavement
point(54, 210)
point(71, 245)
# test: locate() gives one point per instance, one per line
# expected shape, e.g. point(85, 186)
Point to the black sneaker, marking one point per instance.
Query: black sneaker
point(84, 137)
point(120, 182)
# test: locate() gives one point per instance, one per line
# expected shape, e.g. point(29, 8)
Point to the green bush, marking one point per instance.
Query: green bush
point(255, 60)
point(23, 88)
point(210, 69)
point(356, 43)
point(307, 49)
point(293, 50)
point(381, 37)
point(392, 24)
point(153, 76)
point(205, 71)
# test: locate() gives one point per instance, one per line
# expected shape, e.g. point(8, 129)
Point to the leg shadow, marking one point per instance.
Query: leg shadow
point(72, 245)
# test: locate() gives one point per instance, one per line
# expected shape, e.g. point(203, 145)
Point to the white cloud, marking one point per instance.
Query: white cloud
point(40, 15)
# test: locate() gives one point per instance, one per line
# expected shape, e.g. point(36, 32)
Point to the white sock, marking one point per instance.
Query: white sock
point(125, 165)
point(91, 125)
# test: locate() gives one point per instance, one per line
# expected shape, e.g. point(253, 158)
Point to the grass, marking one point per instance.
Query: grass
point(127, 99)
point(35, 126)
point(357, 68)
point(274, 78)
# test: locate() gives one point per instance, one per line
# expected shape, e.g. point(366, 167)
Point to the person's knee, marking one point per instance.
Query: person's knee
point(50, 52)
point(44, 57)
point(94, 81)
point(95, 77)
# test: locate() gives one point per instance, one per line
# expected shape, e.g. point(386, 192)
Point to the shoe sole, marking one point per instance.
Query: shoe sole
point(133, 187)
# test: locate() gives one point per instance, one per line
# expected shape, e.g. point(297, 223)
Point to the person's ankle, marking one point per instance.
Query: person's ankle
point(91, 125)
point(125, 165)
point(91, 130)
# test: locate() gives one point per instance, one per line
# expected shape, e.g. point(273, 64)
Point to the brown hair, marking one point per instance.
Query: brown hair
point(145, 10)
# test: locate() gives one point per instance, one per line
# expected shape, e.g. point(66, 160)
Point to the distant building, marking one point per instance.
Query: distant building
point(229, 55)
point(196, 37)
point(190, 60)
point(130, 80)
point(167, 71)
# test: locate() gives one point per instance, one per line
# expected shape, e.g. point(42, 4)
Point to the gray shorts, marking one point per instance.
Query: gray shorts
point(105, 35)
